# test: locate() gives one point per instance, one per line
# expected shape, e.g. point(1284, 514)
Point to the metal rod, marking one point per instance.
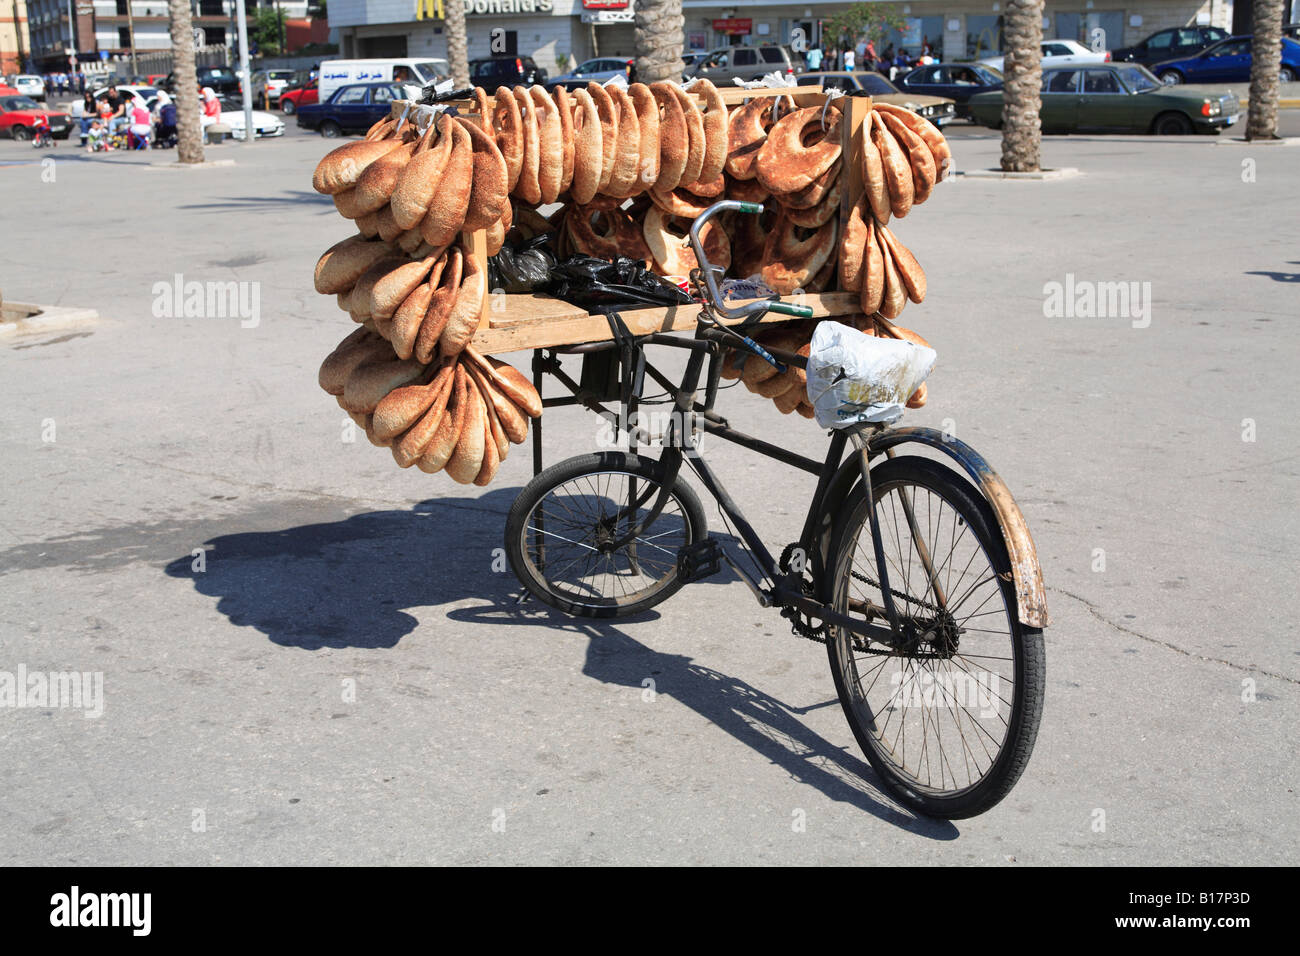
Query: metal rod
point(924, 552)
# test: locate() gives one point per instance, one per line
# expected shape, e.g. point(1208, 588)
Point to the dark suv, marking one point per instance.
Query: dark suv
point(729, 63)
point(1171, 44)
point(497, 71)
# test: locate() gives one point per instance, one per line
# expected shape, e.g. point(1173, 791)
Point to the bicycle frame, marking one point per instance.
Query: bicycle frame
point(837, 476)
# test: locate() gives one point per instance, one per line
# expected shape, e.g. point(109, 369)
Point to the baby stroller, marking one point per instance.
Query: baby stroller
point(165, 131)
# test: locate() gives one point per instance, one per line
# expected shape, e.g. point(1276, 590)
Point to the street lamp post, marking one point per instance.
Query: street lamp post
point(130, 28)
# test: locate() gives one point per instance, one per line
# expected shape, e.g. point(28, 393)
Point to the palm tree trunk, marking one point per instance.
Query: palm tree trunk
point(1265, 59)
point(457, 43)
point(659, 32)
point(189, 141)
point(1022, 72)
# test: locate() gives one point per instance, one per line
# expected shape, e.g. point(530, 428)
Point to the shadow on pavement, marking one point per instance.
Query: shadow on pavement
point(347, 583)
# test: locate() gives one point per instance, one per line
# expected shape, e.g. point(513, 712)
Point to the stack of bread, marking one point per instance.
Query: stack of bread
point(627, 170)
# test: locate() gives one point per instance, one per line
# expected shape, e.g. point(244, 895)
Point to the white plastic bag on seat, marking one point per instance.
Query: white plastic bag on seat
point(854, 377)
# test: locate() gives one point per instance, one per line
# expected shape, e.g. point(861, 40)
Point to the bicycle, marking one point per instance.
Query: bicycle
point(904, 569)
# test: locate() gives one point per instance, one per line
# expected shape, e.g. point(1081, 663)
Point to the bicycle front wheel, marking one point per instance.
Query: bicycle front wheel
point(561, 529)
point(948, 720)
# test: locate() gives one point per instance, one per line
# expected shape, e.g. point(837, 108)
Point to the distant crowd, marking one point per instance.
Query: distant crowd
point(892, 63)
point(122, 119)
point(65, 83)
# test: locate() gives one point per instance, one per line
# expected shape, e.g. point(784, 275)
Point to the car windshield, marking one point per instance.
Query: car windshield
point(990, 73)
point(1139, 79)
point(19, 103)
point(429, 71)
point(876, 84)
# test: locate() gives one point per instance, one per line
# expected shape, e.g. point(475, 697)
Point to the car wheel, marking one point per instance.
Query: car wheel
point(286, 106)
point(1285, 75)
point(22, 134)
point(1171, 124)
point(1170, 77)
point(331, 130)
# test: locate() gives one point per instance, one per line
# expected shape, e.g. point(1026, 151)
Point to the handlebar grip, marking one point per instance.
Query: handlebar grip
point(787, 308)
point(754, 207)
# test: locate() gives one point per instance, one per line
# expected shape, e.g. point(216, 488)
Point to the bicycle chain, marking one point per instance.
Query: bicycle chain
point(801, 625)
point(898, 594)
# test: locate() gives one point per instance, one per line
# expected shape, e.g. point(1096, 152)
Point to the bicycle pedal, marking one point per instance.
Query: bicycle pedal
point(698, 561)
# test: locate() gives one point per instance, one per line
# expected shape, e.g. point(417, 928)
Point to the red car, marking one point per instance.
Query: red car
point(291, 99)
point(18, 115)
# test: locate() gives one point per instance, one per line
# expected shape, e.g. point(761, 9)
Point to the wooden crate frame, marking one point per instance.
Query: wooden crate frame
point(510, 322)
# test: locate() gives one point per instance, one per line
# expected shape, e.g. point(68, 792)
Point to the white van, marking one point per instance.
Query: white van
point(413, 72)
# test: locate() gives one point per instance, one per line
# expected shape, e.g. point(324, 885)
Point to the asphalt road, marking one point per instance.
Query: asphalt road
point(348, 679)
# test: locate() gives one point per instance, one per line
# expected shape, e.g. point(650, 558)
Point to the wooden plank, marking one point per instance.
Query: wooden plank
point(854, 129)
point(553, 332)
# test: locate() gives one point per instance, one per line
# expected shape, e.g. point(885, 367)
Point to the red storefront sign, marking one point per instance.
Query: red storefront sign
point(604, 4)
point(734, 25)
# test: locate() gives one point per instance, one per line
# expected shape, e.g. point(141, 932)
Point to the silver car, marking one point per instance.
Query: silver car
point(600, 69)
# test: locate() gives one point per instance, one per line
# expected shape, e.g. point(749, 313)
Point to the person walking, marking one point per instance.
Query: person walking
point(814, 59)
point(850, 62)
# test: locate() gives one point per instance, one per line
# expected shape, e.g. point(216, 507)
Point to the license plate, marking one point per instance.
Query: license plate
point(1232, 118)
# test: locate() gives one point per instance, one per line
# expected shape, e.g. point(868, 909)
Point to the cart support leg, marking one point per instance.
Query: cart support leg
point(539, 555)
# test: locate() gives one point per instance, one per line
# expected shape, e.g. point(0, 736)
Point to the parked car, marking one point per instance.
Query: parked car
point(18, 115)
point(295, 96)
point(1169, 44)
point(1292, 30)
point(411, 71)
point(1057, 53)
point(494, 72)
point(600, 69)
point(269, 84)
point(28, 84)
point(222, 79)
point(937, 109)
point(232, 114)
point(1117, 98)
point(728, 63)
point(955, 81)
point(352, 109)
point(1226, 62)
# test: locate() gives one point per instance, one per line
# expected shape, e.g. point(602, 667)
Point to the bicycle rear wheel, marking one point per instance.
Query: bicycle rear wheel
point(561, 527)
point(949, 720)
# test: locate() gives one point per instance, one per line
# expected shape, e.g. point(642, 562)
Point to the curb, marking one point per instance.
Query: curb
point(1065, 172)
point(1242, 141)
point(42, 318)
point(206, 164)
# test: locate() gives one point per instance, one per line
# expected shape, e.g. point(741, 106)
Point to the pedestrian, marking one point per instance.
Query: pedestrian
point(81, 81)
point(165, 127)
point(116, 104)
point(89, 109)
point(850, 61)
point(141, 129)
point(211, 108)
point(814, 59)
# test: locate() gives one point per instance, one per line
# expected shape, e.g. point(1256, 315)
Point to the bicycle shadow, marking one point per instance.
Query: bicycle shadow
point(752, 717)
point(348, 584)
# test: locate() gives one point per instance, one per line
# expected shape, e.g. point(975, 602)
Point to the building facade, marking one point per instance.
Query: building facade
point(558, 33)
point(110, 29)
point(15, 44)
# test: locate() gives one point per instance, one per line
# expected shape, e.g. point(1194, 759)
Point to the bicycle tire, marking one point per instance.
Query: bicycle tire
point(870, 721)
point(682, 523)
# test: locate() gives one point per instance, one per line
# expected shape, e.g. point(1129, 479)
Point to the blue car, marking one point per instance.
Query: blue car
point(1228, 61)
point(352, 109)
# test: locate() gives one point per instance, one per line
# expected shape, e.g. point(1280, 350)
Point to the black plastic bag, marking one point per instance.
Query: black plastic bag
point(523, 266)
point(599, 285)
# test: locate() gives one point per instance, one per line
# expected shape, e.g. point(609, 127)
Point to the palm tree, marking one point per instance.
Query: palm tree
point(1022, 72)
point(457, 43)
point(1265, 61)
point(659, 26)
point(189, 140)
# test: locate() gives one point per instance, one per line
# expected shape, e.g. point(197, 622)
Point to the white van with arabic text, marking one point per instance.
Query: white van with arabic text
point(413, 72)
